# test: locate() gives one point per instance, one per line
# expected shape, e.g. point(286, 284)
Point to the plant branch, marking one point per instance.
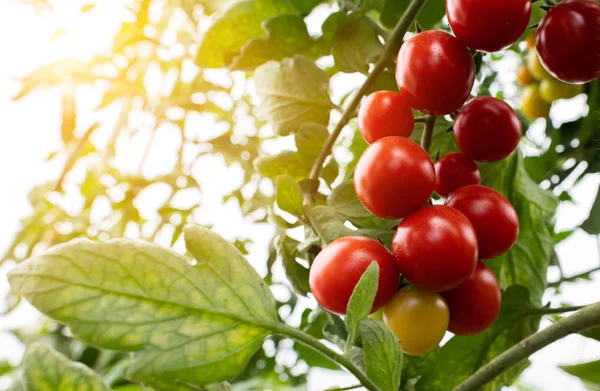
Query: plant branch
point(583, 319)
point(389, 52)
point(585, 274)
point(428, 132)
point(334, 356)
point(560, 310)
point(354, 387)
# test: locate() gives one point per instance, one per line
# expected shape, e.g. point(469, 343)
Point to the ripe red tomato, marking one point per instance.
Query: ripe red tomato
point(493, 216)
point(487, 129)
point(488, 25)
point(474, 304)
point(453, 171)
point(385, 113)
point(339, 266)
point(567, 41)
point(394, 177)
point(435, 248)
point(435, 72)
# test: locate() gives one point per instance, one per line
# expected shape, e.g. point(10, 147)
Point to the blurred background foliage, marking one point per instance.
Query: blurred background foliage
point(180, 63)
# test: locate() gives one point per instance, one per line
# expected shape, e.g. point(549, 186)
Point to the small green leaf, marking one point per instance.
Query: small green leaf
point(383, 354)
point(361, 301)
point(190, 323)
point(294, 91)
point(589, 373)
point(239, 24)
point(295, 272)
point(592, 224)
point(430, 15)
point(288, 195)
point(356, 44)
point(5, 367)
point(329, 27)
point(306, 6)
point(328, 224)
point(45, 369)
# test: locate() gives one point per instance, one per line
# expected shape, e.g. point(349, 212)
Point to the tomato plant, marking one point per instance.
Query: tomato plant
point(385, 113)
point(455, 170)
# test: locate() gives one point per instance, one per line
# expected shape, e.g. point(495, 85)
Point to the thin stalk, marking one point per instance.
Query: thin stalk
point(585, 274)
point(560, 310)
point(428, 132)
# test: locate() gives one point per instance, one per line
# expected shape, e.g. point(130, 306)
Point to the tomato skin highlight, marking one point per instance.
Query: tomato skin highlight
point(488, 25)
point(493, 216)
point(567, 41)
point(435, 72)
point(385, 113)
point(475, 304)
point(418, 317)
point(435, 248)
point(338, 267)
point(394, 177)
point(487, 129)
point(453, 171)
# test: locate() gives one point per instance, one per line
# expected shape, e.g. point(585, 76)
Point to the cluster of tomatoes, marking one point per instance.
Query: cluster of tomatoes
point(438, 248)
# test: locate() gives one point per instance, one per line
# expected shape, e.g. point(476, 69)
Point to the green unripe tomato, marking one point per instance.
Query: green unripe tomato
point(532, 104)
point(553, 89)
point(535, 67)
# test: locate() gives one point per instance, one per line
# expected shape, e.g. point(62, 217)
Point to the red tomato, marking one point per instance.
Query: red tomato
point(493, 216)
point(487, 129)
point(394, 177)
point(435, 248)
point(339, 266)
point(488, 25)
point(453, 171)
point(435, 72)
point(474, 304)
point(567, 41)
point(385, 113)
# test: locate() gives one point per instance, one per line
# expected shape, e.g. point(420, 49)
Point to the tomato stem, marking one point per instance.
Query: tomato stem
point(574, 278)
point(428, 132)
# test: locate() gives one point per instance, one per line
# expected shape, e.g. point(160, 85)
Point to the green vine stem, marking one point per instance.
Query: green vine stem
point(428, 132)
point(573, 278)
point(583, 319)
point(389, 52)
point(331, 354)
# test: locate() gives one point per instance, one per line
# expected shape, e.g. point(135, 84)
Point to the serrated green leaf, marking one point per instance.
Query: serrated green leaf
point(430, 15)
point(296, 274)
point(361, 301)
point(526, 263)
point(589, 373)
point(45, 369)
point(232, 30)
point(356, 44)
point(288, 195)
point(294, 91)
point(591, 225)
point(329, 27)
point(328, 224)
point(461, 356)
point(383, 354)
point(191, 323)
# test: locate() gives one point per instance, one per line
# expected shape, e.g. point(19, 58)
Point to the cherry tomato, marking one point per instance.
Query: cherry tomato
point(488, 25)
point(535, 67)
point(493, 216)
point(338, 267)
point(530, 41)
point(435, 72)
point(435, 248)
point(385, 113)
point(567, 41)
point(552, 89)
point(394, 177)
point(453, 171)
point(523, 76)
point(532, 104)
point(475, 304)
point(487, 129)
point(419, 318)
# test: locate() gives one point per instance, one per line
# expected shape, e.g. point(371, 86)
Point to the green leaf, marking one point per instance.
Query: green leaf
point(329, 28)
point(589, 373)
point(592, 224)
point(196, 323)
point(305, 6)
point(239, 24)
point(430, 15)
point(461, 356)
point(526, 263)
point(442, 141)
point(356, 44)
point(293, 92)
point(328, 224)
point(288, 195)
point(295, 272)
point(314, 359)
point(383, 354)
point(45, 369)
point(5, 367)
point(361, 301)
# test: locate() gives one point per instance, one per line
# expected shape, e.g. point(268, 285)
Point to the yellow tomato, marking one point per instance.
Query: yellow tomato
point(418, 317)
point(530, 41)
point(524, 76)
point(532, 104)
point(552, 89)
point(535, 67)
